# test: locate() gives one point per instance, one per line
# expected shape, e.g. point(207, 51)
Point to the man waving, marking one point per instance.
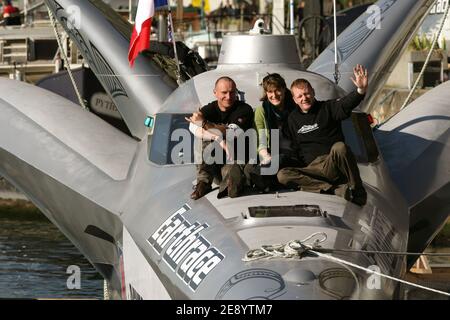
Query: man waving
point(326, 162)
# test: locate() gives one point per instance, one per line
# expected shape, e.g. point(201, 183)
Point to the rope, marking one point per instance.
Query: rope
point(326, 256)
point(293, 249)
point(325, 250)
point(337, 75)
point(297, 249)
point(106, 291)
point(427, 60)
point(66, 60)
point(172, 36)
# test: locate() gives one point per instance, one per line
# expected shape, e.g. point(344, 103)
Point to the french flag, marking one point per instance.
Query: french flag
point(140, 38)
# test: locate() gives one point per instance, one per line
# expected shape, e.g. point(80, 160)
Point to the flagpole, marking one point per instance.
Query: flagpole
point(174, 45)
point(130, 14)
point(291, 16)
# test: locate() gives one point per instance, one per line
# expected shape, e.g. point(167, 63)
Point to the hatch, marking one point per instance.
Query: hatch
point(301, 210)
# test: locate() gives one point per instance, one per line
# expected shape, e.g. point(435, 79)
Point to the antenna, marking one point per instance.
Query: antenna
point(291, 16)
point(337, 75)
point(130, 12)
point(172, 38)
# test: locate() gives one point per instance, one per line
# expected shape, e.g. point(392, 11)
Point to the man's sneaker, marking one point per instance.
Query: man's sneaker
point(200, 190)
point(258, 181)
point(357, 196)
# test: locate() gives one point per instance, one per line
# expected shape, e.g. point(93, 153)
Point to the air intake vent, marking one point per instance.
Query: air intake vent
point(302, 210)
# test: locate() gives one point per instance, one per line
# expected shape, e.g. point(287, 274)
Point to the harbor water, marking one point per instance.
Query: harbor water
point(38, 262)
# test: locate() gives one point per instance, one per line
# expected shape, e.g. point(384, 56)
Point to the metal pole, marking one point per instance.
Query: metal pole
point(291, 15)
point(162, 28)
point(336, 66)
point(25, 12)
point(174, 46)
point(130, 9)
point(335, 32)
point(202, 15)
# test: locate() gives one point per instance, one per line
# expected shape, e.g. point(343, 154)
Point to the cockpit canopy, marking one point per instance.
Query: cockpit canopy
point(171, 142)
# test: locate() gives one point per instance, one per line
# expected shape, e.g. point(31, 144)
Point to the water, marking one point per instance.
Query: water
point(34, 257)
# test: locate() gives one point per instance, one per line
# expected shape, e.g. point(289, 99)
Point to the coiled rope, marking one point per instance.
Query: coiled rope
point(297, 249)
point(292, 249)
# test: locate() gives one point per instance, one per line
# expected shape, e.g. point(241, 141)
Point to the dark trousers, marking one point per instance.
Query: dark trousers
point(255, 178)
point(229, 176)
point(325, 172)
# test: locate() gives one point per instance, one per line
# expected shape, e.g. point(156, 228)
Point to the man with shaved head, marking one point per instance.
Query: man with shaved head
point(210, 124)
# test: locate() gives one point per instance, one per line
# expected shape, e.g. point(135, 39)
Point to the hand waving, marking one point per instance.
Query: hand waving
point(196, 118)
point(361, 80)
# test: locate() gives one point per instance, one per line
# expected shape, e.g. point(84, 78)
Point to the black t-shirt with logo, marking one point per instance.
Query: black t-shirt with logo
point(314, 133)
point(240, 113)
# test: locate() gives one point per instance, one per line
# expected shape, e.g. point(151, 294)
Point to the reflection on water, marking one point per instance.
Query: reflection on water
point(34, 257)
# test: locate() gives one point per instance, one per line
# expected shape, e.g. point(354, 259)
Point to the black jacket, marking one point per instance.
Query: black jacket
point(240, 113)
point(314, 133)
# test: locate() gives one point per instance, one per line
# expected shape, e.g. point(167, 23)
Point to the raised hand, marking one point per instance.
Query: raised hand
point(196, 118)
point(361, 80)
